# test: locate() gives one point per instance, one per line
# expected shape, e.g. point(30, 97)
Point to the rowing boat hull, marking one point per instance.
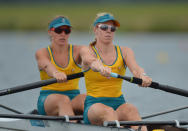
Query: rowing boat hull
point(7, 124)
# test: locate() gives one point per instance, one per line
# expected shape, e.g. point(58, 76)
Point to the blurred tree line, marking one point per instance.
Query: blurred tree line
point(134, 15)
point(90, 1)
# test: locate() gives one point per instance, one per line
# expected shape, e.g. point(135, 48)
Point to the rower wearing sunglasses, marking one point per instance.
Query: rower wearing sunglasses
point(57, 61)
point(105, 100)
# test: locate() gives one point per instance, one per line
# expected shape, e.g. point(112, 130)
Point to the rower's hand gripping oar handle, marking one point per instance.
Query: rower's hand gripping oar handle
point(36, 84)
point(75, 76)
point(154, 85)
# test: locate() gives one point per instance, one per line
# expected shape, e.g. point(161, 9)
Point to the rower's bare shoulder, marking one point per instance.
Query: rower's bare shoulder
point(126, 50)
point(84, 49)
point(42, 52)
point(87, 50)
point(77, 48)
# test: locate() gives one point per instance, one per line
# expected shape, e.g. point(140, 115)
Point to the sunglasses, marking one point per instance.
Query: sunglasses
point(106, 27)
point(60, 30)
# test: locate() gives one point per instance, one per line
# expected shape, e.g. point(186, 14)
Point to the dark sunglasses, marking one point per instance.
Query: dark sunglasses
point(105, 27)
point(60, 30)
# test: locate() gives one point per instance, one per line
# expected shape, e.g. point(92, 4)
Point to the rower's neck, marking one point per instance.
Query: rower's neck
point(60, 48)
point(105, 48)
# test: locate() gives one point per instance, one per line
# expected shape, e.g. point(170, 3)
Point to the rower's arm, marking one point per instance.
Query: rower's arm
point(130, 60)
point(44, 63)
point(136, 70)
point(76, 54)
point(90, 60)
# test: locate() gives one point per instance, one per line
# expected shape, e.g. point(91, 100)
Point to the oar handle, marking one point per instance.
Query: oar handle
point(74, 76)
point(37, 84)
point(154, 85)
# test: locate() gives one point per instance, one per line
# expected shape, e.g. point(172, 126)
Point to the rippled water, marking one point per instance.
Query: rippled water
point(163, 56)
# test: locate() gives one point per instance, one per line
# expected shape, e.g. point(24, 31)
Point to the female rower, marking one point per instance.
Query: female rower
point(57, 61)
point(105, 101)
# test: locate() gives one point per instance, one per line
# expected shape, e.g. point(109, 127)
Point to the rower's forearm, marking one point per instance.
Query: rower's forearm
point(92, 63)
point(138, 71)
point(49, 69)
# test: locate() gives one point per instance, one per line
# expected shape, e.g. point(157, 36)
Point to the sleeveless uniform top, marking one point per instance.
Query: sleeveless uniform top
point(71, 68)
point(100, 86)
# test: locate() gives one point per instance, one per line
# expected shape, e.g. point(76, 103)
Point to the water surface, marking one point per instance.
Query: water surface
point(162, 55)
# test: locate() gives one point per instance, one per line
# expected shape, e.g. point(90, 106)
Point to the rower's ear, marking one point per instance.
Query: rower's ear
point(49, 32)
point(94, 29)
point(96, 32)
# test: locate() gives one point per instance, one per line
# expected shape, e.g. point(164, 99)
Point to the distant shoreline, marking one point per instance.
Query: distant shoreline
point(158, 17)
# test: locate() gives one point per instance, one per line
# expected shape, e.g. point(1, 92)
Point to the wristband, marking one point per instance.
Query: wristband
point(144, 74)
point(55, 72)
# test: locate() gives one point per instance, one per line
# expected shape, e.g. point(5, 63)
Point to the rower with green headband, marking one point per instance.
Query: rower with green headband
point(57, 61)
point(105, 100)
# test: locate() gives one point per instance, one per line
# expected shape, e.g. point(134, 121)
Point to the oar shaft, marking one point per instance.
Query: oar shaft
point(166, 88)
point(27, 87)
point(154, 85)
point(39, 117)
point(131, 123)
point(36, 84)
point(10, 109)
point(164, 112)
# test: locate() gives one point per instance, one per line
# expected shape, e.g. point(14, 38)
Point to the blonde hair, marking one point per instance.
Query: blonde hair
point(101, 14)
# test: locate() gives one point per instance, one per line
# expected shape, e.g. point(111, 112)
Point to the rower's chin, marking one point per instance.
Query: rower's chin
point(108, 38)
point(107, 41)
point(62, 42)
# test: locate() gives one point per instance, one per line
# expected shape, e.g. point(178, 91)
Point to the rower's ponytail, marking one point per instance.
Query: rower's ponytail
point(93, 43)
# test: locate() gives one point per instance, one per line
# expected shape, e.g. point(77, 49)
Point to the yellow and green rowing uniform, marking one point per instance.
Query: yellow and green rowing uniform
point(100, 86)
point(71, 68)
point(103, 90)
point(69, 88)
